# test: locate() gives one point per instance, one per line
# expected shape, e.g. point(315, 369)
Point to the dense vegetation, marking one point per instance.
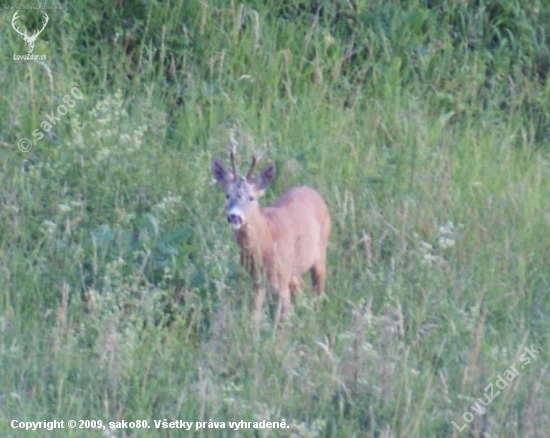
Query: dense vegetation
point(425, 125)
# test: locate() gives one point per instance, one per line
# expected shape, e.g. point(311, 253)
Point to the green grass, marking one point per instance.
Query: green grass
point(425, 125)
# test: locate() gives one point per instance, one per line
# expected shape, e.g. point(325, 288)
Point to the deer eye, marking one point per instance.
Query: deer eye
point(251, 198)
point(227, 196)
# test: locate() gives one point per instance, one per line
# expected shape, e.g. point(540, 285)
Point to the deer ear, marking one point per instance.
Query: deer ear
point(221, 174)
point(265, 177)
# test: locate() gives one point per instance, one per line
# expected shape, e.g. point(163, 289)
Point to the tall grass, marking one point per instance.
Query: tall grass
point(425, 125)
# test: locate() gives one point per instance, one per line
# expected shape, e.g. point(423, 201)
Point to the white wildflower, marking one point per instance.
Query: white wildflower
point(50, 227)
point(445, 242)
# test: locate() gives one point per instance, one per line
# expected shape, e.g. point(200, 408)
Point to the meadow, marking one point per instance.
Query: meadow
point(426, 127)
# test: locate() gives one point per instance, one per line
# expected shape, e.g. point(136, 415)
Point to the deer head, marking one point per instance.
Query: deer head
point(242, 192)
point(29, 40)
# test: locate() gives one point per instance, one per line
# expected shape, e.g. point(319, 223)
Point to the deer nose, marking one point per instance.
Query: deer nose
point(234, 219)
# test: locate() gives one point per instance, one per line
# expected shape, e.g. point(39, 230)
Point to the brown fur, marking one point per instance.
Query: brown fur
point(281, 241)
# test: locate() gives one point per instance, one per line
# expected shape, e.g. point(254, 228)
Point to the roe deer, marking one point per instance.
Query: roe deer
point(281, 241)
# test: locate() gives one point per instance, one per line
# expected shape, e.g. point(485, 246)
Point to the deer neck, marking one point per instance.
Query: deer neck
point(254, 235)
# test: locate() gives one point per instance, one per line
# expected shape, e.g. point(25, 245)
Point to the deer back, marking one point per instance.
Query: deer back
point(299, 222)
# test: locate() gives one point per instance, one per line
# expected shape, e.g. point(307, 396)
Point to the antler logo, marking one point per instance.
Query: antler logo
point(29, 40)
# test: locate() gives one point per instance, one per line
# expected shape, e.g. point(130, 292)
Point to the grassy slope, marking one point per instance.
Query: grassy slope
point(120, 291)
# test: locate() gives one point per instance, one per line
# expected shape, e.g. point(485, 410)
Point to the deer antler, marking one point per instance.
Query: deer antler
point(232, 148)
point(40, 31)
point(24, 34)
point(232, 158)
point(13, 20)
point(255, 160)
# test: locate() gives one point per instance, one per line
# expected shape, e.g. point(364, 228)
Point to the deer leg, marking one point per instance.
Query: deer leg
point(259, 295)
point(318, 272)
point(296, 284)
point(286, 302)
point(283, 303)
point(279, 286)
point(284, 307)
point(257, 303)
point(259, 291)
